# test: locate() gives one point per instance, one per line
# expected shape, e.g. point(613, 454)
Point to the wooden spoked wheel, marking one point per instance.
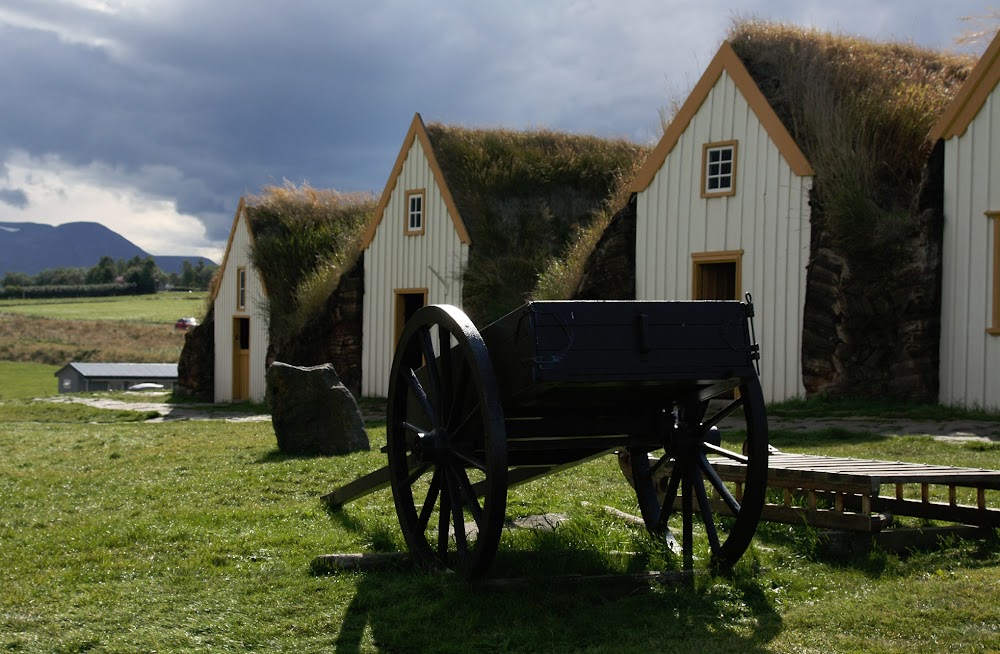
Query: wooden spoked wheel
point(446, 443)
point(679, 482)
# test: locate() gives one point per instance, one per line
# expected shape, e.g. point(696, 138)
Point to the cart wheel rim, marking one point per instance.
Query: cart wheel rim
point(447, 443)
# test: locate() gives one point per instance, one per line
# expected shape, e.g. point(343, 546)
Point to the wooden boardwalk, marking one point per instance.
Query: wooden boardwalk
point(864, 495)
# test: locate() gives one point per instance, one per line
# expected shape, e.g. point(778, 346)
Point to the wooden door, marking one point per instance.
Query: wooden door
point(241, 359)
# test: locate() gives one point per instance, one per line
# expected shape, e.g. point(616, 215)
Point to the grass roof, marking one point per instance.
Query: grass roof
point(861, 111)
point(305, 239)
point(523, 195)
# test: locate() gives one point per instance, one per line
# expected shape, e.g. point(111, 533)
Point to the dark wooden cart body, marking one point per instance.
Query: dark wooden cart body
point(578, 379)
point(555, 384)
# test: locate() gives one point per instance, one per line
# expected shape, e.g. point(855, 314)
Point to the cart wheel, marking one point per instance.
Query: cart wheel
point(684, 478)
point(447, 443)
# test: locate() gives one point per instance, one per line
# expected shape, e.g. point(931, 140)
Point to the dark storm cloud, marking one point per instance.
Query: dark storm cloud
point(14, 197)
point(201, 102)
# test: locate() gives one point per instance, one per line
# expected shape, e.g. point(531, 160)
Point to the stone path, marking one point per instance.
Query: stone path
point(167, 411)
point(949, 430)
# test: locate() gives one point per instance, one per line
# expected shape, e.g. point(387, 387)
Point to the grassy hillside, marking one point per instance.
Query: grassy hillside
point(135, 328)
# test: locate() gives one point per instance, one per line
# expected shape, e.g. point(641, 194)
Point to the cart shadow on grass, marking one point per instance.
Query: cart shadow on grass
point(529, 605)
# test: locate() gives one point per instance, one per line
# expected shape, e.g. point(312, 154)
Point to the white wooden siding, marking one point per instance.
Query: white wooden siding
point(767, 218)
point(970, 358)
point(433, 260)
point(226, 309)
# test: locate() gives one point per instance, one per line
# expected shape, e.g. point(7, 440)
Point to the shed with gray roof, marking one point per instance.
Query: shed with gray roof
point(88, 377)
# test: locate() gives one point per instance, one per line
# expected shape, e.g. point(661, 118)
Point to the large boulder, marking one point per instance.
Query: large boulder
point(313, 412)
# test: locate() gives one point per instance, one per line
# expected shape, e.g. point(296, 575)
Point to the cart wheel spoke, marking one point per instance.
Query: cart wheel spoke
point(470, 460)
point(459, 392)
point(725, 412)
point(653, 469)
point(718, 484)
point(706, 509)
point(729, 454)
point(421, 397)
point(415, 429)
point(669, 498)
point(457, 513)
point(416, 473)
point(444, 521)
point(469, 495)
point(429, 501)
point(446, 374)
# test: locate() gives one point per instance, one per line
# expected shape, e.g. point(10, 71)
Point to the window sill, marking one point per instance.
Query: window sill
point(993, 331)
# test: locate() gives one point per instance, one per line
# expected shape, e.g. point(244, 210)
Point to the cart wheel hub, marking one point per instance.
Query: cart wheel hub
point(431, 446)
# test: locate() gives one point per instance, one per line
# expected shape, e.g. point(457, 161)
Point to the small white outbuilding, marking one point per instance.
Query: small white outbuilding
point(241, 334)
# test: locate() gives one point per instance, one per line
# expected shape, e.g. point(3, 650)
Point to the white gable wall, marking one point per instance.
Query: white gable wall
point(394, 260)
point(970, 358)
point(226, 310)
point(767, 218)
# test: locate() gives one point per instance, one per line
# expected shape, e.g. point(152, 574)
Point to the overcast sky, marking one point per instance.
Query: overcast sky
point(153, 117)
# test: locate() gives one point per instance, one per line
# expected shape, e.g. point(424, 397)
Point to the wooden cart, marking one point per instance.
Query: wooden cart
point(555, 384)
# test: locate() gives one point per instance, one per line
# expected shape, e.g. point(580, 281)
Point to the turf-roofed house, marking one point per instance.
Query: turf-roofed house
point(471, 217)
point(289, 289)
point(970, 313)
point(795, 170)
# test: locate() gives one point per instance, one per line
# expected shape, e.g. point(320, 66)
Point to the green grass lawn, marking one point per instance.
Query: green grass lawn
point(160, 308)
point(24, 380)
point(198, 536)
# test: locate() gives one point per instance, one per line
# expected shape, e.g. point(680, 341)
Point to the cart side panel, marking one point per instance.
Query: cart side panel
point(604, 344)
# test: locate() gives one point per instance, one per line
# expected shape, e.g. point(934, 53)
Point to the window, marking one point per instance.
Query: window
point(241, 288)
point(994, 216)
point(415, 211)
point(718, 169)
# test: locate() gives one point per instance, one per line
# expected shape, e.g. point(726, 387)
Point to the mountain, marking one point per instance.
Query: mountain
point(31, 248)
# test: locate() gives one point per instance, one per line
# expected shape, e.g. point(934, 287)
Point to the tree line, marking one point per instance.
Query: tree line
point(108, 277)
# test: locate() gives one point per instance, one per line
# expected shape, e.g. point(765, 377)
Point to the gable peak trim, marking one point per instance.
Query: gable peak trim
point(417, 132)
point(241, 213)
point(959, 114)
point(725, 60)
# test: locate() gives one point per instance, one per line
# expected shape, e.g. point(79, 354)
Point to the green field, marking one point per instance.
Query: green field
point(199, 536)
point(160, 308)
point(136, 329)
point(24, 380)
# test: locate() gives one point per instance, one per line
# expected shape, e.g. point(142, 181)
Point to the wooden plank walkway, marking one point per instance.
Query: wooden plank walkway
point(864, 494)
